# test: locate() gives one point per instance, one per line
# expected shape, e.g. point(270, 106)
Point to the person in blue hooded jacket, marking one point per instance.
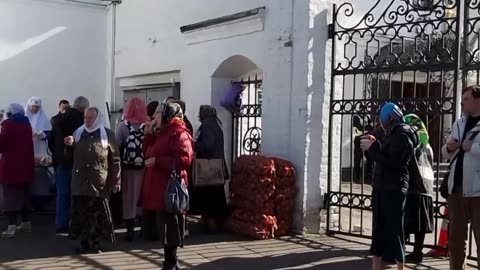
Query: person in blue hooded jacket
point(392, 157)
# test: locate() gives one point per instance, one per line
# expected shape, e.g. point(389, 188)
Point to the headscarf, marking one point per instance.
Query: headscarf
point(152, 107)
point(414, 120)
point(135, 111)
point(182, 105)
point(15, 109)
point(99, 124)
point(166, 100)
point(206, 112)
point(15, 112)
point(39, 120)
point(389, 114)
point(170, 111)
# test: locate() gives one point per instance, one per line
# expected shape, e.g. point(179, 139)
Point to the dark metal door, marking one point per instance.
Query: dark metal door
point(247, 125)
point(413, 53)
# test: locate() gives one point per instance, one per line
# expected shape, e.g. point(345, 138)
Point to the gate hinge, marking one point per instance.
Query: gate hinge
point(331, 30)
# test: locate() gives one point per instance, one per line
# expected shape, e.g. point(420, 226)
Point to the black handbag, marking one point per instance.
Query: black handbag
point(176, 197)
point(444, 186)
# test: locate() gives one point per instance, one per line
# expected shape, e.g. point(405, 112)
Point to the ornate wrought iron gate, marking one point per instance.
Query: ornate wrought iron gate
point(417, 53)
point(247, 125)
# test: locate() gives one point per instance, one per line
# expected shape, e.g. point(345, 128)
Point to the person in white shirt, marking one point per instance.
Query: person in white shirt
point(463, 151)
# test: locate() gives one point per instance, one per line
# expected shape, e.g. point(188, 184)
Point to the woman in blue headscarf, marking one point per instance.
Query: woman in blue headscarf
point(392, 159)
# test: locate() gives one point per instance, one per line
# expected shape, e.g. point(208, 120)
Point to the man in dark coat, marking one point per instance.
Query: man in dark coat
point(64, 124)
point(392, 159)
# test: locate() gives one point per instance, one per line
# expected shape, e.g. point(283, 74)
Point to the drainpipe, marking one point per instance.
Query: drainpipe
point(114, 36)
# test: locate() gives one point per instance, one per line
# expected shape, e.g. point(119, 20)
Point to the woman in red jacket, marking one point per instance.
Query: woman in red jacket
point(167, 142)
point(16, 167)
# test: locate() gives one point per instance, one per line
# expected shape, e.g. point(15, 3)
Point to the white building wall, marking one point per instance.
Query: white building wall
point(291, 52)
point(52, 49)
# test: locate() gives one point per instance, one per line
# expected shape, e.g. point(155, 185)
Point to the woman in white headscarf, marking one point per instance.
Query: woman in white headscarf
point(41, 127)
point(96, 173)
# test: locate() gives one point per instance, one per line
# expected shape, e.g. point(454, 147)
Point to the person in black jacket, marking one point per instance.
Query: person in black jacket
point(392, 159)
point(64, 124)
point(210, 202)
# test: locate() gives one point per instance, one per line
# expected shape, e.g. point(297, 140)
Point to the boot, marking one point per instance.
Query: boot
point(25, 227)
point(130, 224)
point(10, 232)
point(414, 257)
point(84, 248)
point(171, 261)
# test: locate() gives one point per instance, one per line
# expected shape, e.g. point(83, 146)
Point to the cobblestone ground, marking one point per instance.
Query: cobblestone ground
point(44, 250)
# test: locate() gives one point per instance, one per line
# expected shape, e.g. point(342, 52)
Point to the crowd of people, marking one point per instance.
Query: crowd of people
point(92, 162)
point(403, 183)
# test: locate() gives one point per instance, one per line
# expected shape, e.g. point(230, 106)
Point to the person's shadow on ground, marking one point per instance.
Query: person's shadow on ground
point(309, 260)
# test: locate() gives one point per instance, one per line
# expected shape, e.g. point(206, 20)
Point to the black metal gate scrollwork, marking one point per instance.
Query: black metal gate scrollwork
point(416, 53)
point(247, 125)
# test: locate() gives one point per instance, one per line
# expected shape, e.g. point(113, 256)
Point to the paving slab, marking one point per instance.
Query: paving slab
point(42, 249)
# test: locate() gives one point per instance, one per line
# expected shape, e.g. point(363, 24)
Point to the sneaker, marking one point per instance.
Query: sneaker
point(25, 227)
point(10, 232)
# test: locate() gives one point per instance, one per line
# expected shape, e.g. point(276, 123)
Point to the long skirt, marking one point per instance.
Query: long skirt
point(131, 189)
point(388, 238)
point(419, 214)
point(91, 219)
point(164, 227)
point(16, 197)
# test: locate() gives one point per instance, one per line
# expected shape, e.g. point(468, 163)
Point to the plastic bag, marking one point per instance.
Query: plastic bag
point(425, 168)
point(232, 101)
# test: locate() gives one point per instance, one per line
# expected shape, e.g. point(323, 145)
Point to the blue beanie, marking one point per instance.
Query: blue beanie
point(389, 112)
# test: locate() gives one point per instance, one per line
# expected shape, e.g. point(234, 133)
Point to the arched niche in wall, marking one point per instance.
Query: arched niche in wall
point(242, 132)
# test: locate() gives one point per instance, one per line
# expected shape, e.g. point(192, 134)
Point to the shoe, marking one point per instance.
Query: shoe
point(415, 258)
point(84, 248)
point(61, 231)
point(25, 227)
point(96, 248)
point(167, 266)
point(10, 232)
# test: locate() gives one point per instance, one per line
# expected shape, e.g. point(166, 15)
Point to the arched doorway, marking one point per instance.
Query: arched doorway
point(242, 130)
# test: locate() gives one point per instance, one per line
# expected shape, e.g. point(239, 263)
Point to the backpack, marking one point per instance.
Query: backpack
point(133, 150)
